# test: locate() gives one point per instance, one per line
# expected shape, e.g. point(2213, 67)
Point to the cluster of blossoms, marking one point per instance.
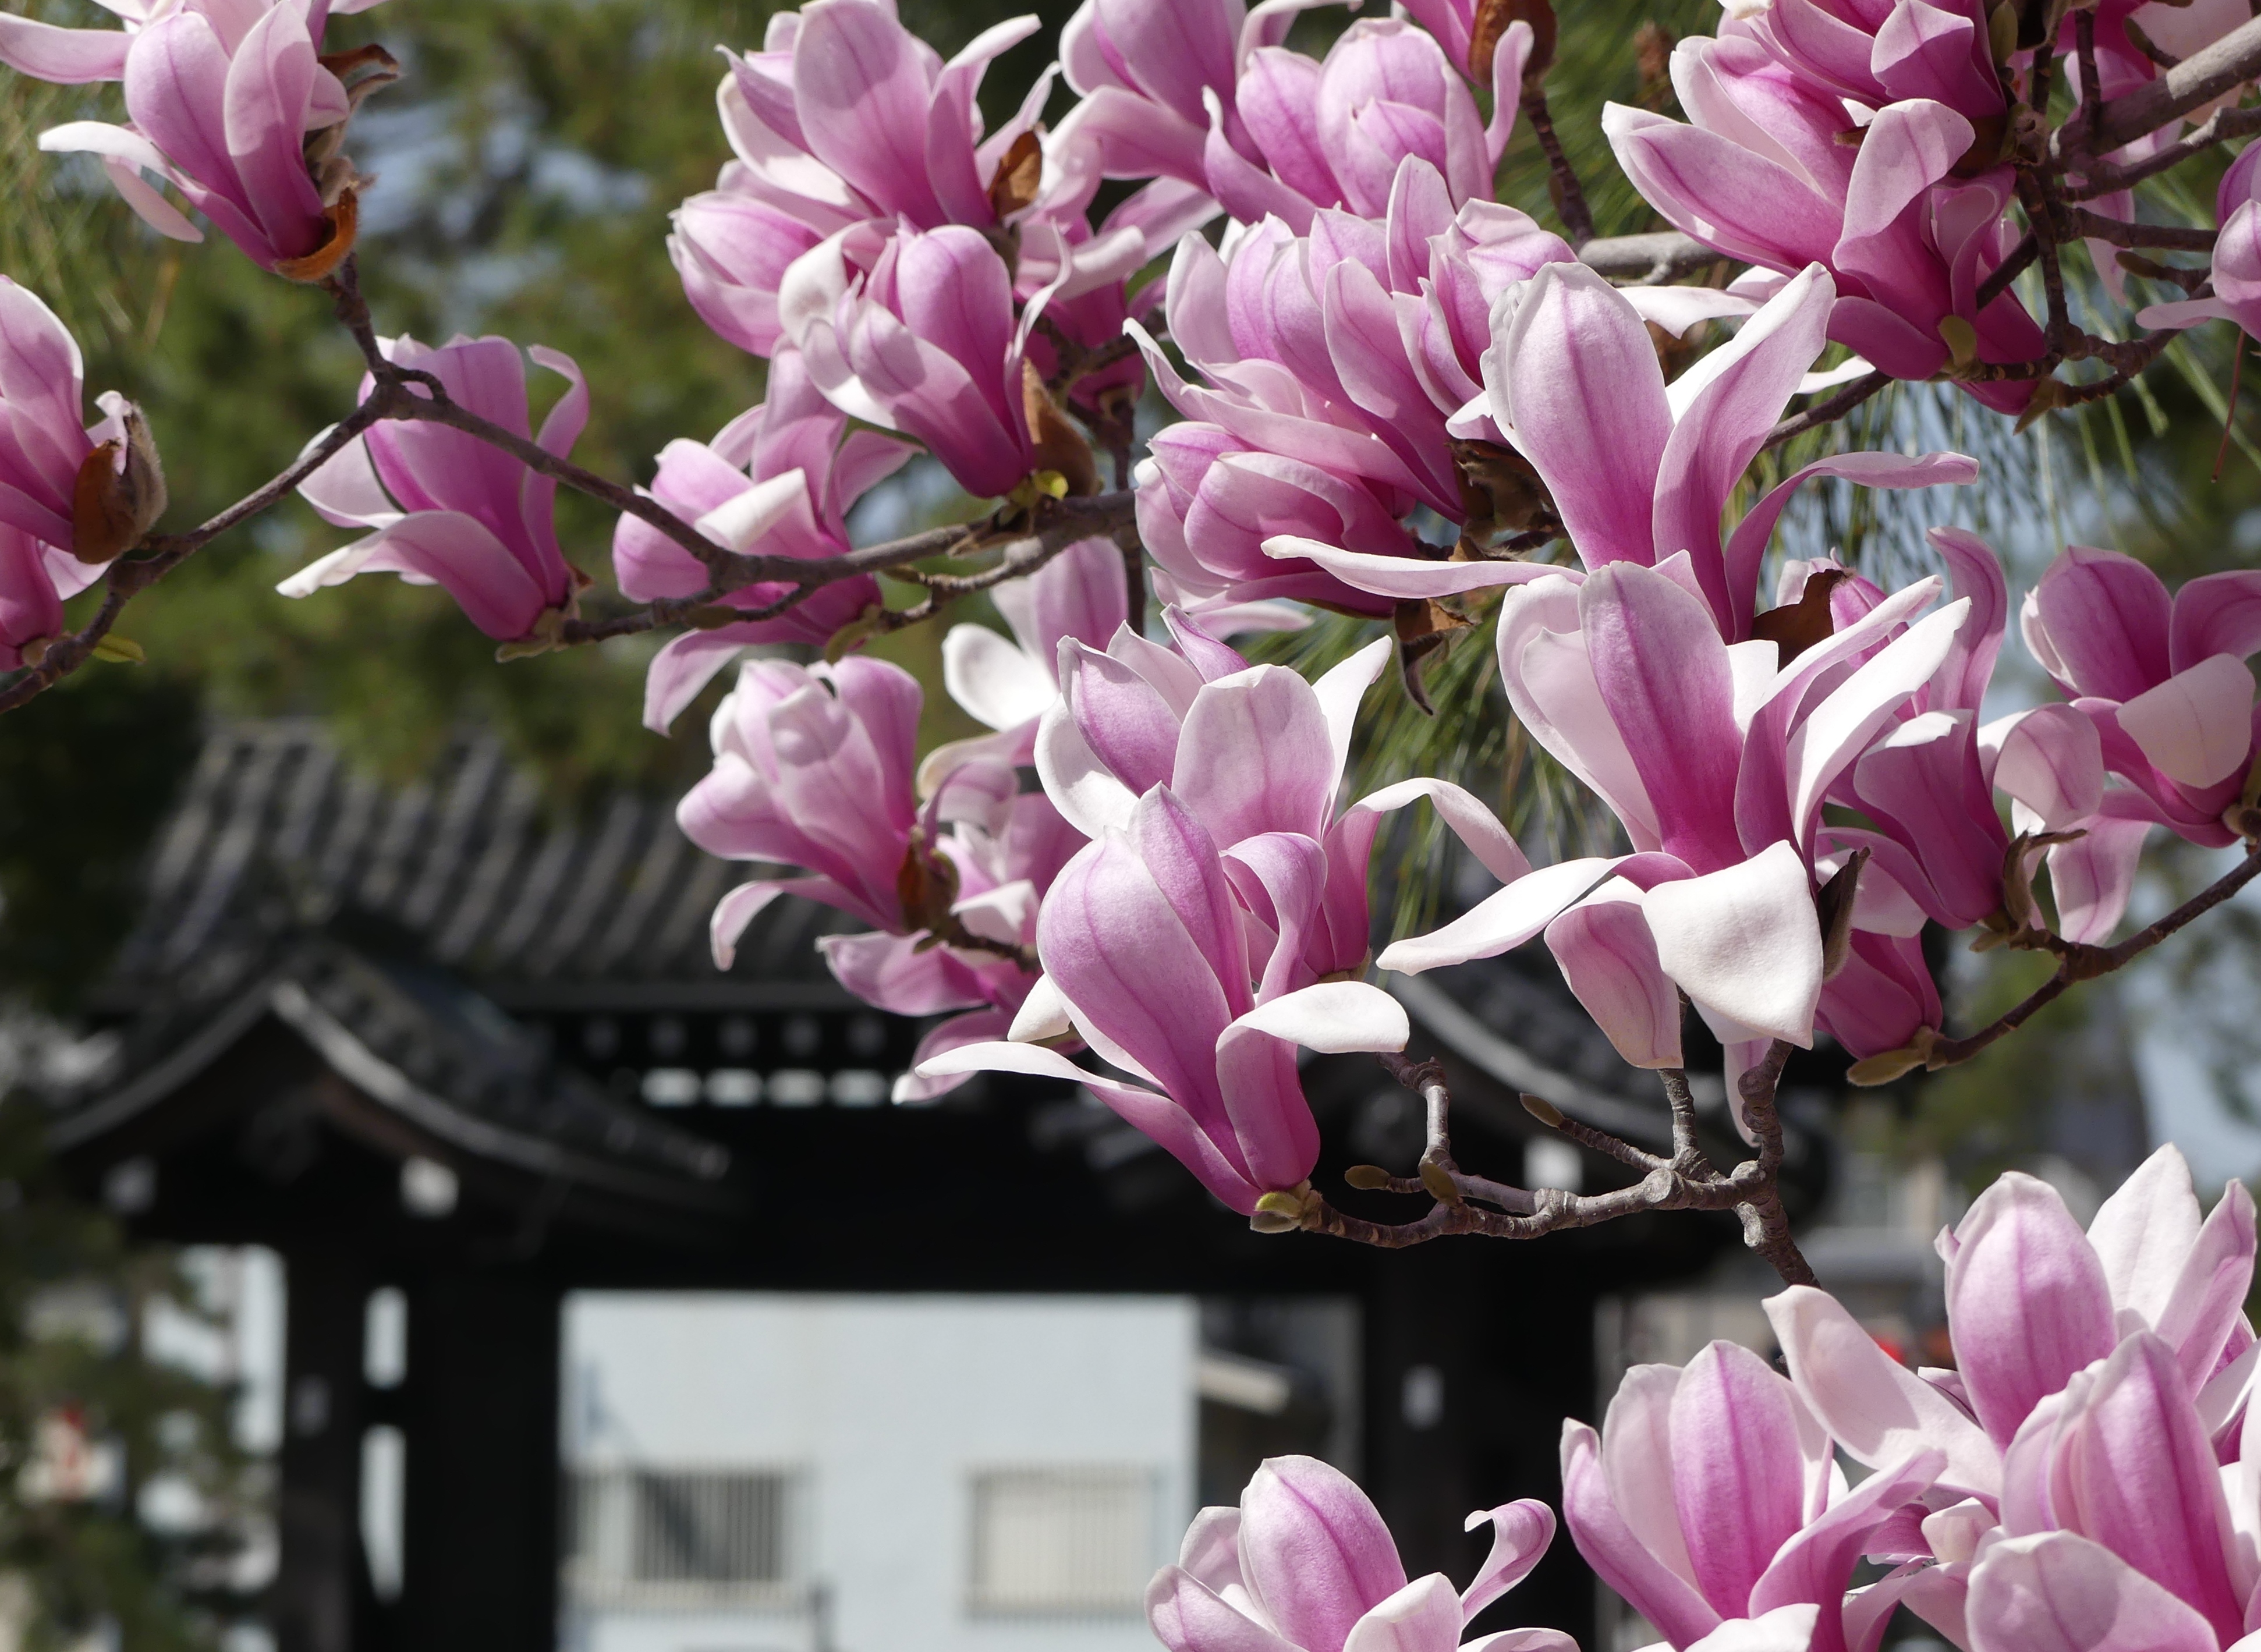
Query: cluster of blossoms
point(2087, 1476)
point(1392, 389)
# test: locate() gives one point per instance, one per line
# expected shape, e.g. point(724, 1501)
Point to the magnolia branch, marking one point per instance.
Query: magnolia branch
point(2076, 962)
point(1685, 1181)
point(132, 574)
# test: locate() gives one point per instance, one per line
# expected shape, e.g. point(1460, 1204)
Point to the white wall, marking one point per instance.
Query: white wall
point(887, 1404)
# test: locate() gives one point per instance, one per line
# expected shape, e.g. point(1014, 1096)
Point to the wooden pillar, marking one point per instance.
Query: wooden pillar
point(1473, 1352)
point(319, 1584)
point(479, 1409)
point(1420, 1389)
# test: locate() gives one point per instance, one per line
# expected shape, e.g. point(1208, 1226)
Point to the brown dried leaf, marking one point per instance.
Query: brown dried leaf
point(1490, 22)
point(1798, 626)
point(1019, 173)
point(1059, 445)
point(115, 501)
point(345, 224)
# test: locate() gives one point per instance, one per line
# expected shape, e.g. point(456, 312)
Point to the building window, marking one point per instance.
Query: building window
point(1067, 1541)
point(656, 1537)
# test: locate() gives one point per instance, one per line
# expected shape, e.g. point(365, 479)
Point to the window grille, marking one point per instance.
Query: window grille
point(1067, 1541)
point(663, 1537)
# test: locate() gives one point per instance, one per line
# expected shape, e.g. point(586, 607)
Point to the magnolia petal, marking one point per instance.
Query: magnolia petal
point(1878, 1410)
point(1505, 919)
point(2197, 727)
point(1744, 942)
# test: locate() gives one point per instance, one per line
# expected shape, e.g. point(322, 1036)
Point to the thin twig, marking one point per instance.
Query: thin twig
point(2219, 128)
point(132, 574)
point(2085, 963)
point(2008, 270)
point(1569, 195)
point(1827, 410)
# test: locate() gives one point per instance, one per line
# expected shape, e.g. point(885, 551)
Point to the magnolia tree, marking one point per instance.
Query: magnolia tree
point(1403, 400)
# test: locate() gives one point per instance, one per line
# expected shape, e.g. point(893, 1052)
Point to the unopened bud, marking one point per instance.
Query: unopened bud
point(1438, 1180)
point(1542, 1109)
point(2002, 31)
point(1278, 1212)
point(547, 632)
point(1891, 1064)
point(119, 651)
point(1960, 339)
point(1366, 1178)
point(120, 491)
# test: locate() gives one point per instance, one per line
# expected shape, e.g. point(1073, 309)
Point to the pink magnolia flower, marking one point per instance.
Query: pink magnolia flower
point(813, 769)
point(75, 57)
point(2113, 1508)
point(1762, 175)
point(1202, 98)
point(776, 481)
point(2164, 683)
point(2237, 266)
point(230, 104)
point(1148, 959)
point(1711, 1497)
point(1333, 134)
point(1257, 755)
point(1340, 366)
point(1877, 54)
point(72, 496)
point(1717, 760)
point(845, 120)
point(1306, 1564)
point(917, 332)
point(2032, 1301)
point(845, 115)
point(1637, 471)
point(1082, 594)
point(447, 509)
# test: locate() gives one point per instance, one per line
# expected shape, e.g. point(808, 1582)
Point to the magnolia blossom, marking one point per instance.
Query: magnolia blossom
point(919, 332)
point(1335, 361)
point(1257, 755)
point(1214, 919)
point(2086, 1477)
point(1879, 54)
point(233, 106)
point(1199, 94)
point(72, 496)
point(1304, 1563)
point(1711, 1496)
point(776, 481)
point(72, 57)
point(1333, 134)
point(1079, 594)
point(2101, 1380)
point(1637, 470)
point(2164, 683)
point(447, 509)
point(813, 769)
point(1908, 239)
point(847, 128)
point(845, 115)
point(1717, 758)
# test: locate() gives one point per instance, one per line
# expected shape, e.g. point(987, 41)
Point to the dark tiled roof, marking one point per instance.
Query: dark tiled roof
point(465, 859)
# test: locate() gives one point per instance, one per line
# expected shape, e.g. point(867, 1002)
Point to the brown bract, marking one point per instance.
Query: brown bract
point(1059, 445)
point(344, 220)
point(1019, 173)
point(119, 495)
